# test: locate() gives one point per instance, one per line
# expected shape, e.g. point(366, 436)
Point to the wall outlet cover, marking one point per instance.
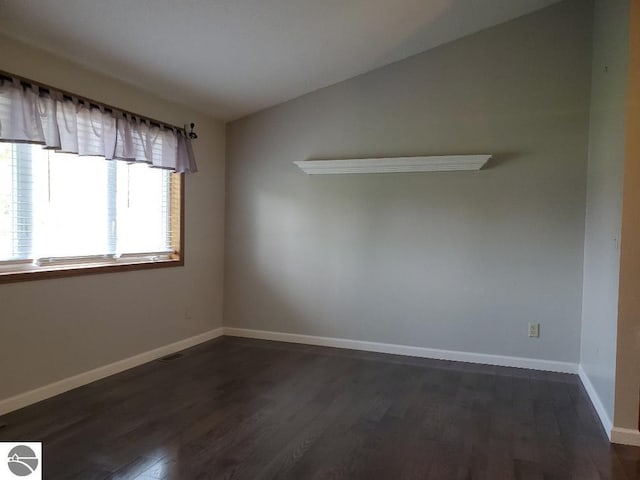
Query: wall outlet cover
point(534, 330)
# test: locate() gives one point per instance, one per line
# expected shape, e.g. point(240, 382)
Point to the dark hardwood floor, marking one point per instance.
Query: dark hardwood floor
point(249, 409)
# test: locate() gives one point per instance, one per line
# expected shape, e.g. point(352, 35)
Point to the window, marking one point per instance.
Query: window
point(78, 189)
point(62, 212)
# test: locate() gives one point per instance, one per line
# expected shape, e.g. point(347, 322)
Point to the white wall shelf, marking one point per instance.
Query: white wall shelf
point(441, 163)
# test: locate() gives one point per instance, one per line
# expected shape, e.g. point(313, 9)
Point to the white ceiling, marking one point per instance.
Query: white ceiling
point(229, 58)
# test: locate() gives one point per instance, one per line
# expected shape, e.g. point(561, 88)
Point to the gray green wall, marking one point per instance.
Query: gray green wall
point(604, 198)
point(457, 261)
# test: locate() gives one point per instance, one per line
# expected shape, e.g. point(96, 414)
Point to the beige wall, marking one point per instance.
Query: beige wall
point(459, 261)
point(628, 357)
point(53, 329)
point(604, 198)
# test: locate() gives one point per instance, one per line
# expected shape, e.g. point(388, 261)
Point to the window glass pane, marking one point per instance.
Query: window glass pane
point(63, 205)
point(6, 202)
point(70, 205)
point(142, 209)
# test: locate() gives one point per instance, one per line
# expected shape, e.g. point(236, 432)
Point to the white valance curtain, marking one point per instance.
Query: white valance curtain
point(30, 114)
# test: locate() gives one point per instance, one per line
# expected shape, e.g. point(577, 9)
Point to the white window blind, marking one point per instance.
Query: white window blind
point(61, 207)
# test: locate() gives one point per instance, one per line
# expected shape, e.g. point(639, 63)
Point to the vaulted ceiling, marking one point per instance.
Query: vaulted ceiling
point(229, 58)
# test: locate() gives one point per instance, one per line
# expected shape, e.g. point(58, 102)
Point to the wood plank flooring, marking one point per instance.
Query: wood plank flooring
point(248, 409)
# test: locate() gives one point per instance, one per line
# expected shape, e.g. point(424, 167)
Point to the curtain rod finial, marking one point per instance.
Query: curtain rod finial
point(192, 135)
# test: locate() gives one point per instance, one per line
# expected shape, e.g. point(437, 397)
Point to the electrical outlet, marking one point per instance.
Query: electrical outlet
point(188, 313)
point(534, 330)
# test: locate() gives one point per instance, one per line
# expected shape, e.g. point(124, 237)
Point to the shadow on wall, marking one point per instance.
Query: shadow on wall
point(499, 159)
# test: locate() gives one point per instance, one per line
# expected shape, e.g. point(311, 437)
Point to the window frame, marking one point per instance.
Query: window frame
point(27, 271)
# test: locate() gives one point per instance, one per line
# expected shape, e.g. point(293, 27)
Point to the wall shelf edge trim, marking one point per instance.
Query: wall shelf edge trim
point(440, 163)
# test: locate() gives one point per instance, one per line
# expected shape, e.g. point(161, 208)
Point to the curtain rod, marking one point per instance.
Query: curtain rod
point(42, 86)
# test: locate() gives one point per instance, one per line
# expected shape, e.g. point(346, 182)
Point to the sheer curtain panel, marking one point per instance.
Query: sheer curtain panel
point(30, 114)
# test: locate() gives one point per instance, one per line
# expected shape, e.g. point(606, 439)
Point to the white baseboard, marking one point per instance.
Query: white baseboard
point(625, 436)
point(607, 424)
point(33, 396)
point(501, 360)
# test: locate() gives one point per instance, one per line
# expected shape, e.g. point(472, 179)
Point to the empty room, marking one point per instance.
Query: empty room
point(297, 239)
